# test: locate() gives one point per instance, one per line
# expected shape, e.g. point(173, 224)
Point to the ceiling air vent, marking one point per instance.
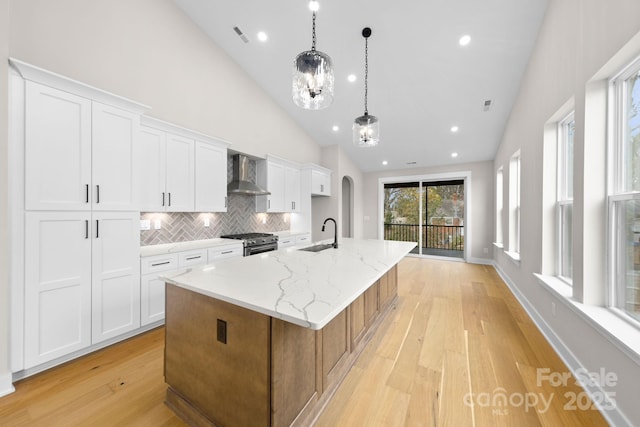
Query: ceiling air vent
point(241, 34)
point(487, 105)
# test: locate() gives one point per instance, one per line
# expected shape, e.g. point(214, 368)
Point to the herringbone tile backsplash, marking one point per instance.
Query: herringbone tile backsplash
point(241, 217)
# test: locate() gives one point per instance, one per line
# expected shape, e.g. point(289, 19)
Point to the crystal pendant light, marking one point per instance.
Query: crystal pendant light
point(312, 87)
point(366, 128)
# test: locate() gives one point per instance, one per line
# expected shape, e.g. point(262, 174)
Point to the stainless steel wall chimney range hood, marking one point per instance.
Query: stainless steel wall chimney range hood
point(240, 183)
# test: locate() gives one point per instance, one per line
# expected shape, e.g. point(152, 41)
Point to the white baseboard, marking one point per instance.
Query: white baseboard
point(6, 385)
point(613, 416)
point(483, 261)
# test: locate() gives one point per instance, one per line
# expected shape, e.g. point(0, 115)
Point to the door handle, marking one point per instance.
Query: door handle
point(97, 228)
point(169, 199)
point(86, 228)
point(97, 194)
point(86, 196)
point(162, 198)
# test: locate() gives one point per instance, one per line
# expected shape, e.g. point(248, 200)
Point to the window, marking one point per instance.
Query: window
point(499, 206)
point(514, 206)
point(624, 192)
point(564, 203)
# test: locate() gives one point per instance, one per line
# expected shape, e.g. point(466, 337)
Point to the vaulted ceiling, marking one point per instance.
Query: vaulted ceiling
point(422, 82)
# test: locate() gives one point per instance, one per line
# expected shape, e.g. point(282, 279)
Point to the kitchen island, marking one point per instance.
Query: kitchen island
point(266, 340)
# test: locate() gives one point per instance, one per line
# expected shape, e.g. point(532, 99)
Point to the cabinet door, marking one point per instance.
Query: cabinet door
point(151, 163)
point(57, 149)
point(114, 133)
point(292, 189)
point(152, 299)
point(180, 174)
point(275, 185)
point(320, 183)
point(211, 178)
point(57, 285)
point(116, 274)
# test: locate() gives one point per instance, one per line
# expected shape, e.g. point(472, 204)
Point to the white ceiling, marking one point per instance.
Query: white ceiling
point(421, 82)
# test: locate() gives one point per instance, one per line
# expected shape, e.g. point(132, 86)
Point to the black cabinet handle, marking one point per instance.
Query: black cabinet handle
point(160, 263)
point(86, 196)
point(169, 199)
point(86, 228)
point(225, 252)
point(97, 228)
point(163, 199)
point(97, 194)
point(194, 257)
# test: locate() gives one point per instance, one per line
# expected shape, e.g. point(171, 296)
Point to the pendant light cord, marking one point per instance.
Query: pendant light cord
point(366, 74)
point(313, 34)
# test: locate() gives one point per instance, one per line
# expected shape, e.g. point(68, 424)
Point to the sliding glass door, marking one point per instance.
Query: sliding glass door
point(429, 213)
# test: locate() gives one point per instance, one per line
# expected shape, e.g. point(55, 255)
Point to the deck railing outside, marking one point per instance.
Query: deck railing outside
point(449, 237)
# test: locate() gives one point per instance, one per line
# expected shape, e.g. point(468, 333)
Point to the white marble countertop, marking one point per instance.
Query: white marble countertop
point(305, 288)
point(169, 248)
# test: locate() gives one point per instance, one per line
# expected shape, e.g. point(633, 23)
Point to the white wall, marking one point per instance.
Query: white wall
point(576, 39)
point(5, 372)
point(482, 204)
point(151, 52)
point(334, 158)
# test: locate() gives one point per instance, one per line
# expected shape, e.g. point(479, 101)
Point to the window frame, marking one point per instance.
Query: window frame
point(515, 190)
point(564, 175)
point(499, 234)
point(618, 192)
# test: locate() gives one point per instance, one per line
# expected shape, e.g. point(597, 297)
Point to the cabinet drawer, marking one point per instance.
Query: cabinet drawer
point(286, 242)
point(158, 263)
point(220, 252)
point(191, 258)
point(303, 238)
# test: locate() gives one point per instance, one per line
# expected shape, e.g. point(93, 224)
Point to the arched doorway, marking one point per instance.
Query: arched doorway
point(347, 206)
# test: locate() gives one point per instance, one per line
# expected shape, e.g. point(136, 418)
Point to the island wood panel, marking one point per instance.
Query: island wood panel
point(229, 384)
point(392, 280)
point(383, 291)
point(295, 383)
point(371, 303)
point(335, 349)
point(357, 320)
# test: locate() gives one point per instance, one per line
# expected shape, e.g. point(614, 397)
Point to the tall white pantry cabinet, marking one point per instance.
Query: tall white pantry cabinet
point(81, 218)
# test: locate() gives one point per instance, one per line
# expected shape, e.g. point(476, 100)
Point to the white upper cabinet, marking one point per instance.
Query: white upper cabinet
point(180, 174)
point(151, 171)
point(282, 179)
point(78, 153)
point(211, 177)
point(318, 179)
point(57, 149)
point(292, 189)
point(180, 170)
point(114, 133)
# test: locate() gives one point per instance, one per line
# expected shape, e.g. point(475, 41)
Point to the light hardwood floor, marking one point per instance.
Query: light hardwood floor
point(457, 335)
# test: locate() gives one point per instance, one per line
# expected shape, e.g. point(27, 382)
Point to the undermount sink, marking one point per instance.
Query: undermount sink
point(317, 248)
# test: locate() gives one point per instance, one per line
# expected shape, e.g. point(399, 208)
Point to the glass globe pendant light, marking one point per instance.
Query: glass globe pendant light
point(366, 128)
point(312, 87)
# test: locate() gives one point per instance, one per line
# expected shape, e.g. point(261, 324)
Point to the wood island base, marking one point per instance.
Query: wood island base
point(229, 366)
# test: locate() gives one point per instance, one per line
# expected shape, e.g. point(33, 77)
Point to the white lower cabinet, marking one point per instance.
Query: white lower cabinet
point(116, 274)
point(285, 242)
point(152, 287)
point(57, 285)
point(302, 239)
point(82, 280)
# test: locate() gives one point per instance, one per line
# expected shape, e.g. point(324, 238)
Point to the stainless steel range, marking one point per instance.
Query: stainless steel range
point(255, 243)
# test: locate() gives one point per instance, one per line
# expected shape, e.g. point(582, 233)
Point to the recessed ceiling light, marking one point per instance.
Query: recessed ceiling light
point(262, 36)
point(464, 40)
point(335, 128)
point(385, 163)
point(314, 6)
point(455, 129)
point(352, 78)
point(454, 155)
